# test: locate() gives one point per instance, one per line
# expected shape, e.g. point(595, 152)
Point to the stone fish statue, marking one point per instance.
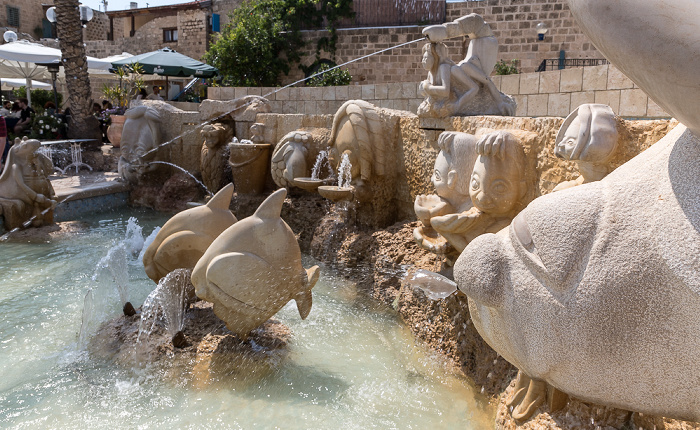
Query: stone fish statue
point(253, 269)
point(25, 190)
point(186, 236)
point(595, 290)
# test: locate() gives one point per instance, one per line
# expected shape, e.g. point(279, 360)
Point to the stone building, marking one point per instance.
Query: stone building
point(22, 16)
point(186, 28)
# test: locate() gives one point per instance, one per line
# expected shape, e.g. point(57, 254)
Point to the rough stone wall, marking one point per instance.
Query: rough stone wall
point(31, 15)
point(417, 148)
point(223, 7)
point(192, 26)
point(192, 33)
point(97, 28)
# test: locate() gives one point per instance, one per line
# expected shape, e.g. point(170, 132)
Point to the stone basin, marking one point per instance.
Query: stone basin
point(336, 193)
point(308, 184)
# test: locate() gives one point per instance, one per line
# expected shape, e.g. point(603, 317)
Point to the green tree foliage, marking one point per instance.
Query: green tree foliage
point(263, 38)
point(39, 97)
point(334, 78)
point(507, 67)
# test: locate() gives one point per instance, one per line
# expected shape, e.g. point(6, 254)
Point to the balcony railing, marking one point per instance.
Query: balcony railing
point(569, 63)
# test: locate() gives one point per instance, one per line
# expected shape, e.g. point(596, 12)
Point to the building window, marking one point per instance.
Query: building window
point(170, 35)
point(12, 16)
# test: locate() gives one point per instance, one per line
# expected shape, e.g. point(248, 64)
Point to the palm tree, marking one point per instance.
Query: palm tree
point(83, 123)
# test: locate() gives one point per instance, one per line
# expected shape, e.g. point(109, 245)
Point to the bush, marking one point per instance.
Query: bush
point(336, 77)
point(507, 67)
point(39, 97)
point(263, 38)
point(47, 127)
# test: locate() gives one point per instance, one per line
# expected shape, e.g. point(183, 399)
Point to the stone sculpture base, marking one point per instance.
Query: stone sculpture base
point(211, 355)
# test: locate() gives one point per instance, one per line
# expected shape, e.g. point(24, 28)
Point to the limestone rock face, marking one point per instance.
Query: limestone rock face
point(186, 236)
point(595, 289)
point(253, 269)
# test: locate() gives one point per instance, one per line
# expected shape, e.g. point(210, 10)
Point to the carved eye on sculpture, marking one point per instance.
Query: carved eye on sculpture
point(499, 187)
point(436, 175)
point(475, 184)
point(565, 148)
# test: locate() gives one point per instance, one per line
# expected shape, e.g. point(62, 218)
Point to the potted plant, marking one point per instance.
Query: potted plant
point(130, 83)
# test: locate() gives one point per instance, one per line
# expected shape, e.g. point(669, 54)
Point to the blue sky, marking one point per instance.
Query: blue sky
point(124, 4)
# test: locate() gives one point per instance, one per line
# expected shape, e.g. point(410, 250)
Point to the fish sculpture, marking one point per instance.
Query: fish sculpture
point(187, 235)
point(253, 269)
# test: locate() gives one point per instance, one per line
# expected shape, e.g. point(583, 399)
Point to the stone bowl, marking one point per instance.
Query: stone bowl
point(336, 193)
point(308, 184)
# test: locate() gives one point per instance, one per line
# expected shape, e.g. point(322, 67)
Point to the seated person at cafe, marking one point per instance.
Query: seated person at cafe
point(156, 94)
point(25, 118)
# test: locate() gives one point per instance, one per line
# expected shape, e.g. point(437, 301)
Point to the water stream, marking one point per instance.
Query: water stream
point(351, 364)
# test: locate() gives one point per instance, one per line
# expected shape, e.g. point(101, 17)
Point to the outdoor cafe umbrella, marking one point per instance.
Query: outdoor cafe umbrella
point(166, 62)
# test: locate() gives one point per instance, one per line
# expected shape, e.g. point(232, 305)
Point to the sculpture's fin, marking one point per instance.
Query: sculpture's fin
point(222, 199)
point(304, 299)
point(272, 206)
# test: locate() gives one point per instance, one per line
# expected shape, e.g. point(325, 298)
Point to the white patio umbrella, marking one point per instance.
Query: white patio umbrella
point(20, 60)
point(16, 83)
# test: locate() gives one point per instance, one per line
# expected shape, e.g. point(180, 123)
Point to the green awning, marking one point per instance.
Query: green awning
point(166, 62)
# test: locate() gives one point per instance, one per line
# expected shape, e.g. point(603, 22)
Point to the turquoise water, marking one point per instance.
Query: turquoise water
point(350, 365)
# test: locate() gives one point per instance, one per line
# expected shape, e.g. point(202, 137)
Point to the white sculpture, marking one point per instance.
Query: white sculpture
point(289, 159)
point(186, 236)
point(26, 194)
point(480, 186)
point(589, 137)
point(253, 269)
point(454, 89)
point(140, 139)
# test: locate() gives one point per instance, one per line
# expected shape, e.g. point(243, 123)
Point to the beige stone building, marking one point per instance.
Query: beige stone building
point(23, 16)
point(186, 28)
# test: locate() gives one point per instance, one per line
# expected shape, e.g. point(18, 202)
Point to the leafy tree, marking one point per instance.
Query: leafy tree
point(507, 67)
point(334, 78)
point(263, 38)
point(39, 97)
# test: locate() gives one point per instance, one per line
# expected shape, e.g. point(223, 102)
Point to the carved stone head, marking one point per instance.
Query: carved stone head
point(498, 184)
point(589, 134)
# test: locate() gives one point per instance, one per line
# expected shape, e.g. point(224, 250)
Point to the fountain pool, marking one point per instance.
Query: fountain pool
point(350, 364)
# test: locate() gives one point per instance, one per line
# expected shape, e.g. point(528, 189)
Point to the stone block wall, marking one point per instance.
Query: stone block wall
point(193, 36)
point(97, 28)
point(192, 40)
point(554, 93)
point(513, 22)
point(558, 92)
point(31, 15)
point(396, 65)
point(223, 7)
